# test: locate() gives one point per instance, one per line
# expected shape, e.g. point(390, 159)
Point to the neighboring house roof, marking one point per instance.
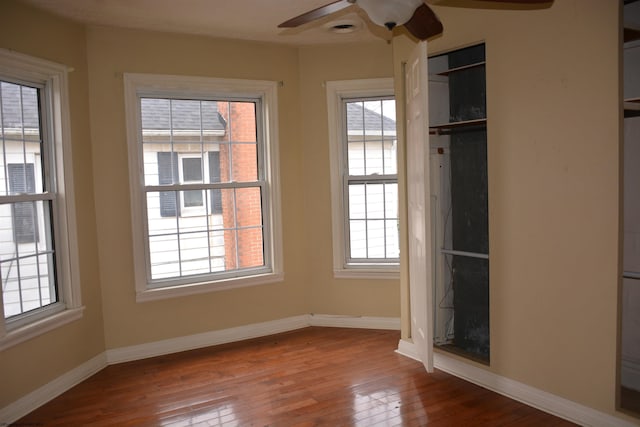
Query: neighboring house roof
point(182, 115)
point(14, 117)
point(373, 121)
point(185, 114)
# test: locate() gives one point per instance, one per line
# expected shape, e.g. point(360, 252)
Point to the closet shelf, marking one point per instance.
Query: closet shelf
point(433, 130)
point(631, 34)
point(631, 107)
point(463, 67)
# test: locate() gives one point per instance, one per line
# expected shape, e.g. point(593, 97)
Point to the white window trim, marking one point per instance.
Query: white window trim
point(199, 87)
point(54, 76)
point(337, 91)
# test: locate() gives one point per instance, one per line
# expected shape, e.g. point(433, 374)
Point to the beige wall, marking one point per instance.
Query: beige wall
point(552, 81)
point(356, 297)
point(113, 52)
point(553, 138)
point(38, 361)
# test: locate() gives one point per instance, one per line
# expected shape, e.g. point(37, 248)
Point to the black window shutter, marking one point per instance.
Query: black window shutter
point(167, 174)
point(214, 176)
point(22, 181)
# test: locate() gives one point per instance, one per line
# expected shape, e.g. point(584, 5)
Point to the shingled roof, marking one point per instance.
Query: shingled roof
point(373, 121)
point(19, 110)
point(157, 114)
point(178, 114)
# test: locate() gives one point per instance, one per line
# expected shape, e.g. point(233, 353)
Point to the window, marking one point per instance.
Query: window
point(364, 184)
point(38, 261)
point(206, 206)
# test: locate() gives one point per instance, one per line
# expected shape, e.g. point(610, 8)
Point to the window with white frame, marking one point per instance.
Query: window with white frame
point(363, 145)
point(38, 261)
point(206, 206)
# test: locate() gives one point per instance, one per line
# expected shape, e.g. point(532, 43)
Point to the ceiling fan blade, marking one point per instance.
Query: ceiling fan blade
point(318, 13)
point(424, 23)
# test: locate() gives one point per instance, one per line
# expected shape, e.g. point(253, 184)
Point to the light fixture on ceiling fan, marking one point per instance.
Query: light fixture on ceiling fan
point(416, 16)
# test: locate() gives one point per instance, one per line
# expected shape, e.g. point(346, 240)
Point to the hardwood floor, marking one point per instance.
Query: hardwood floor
point(309, 377)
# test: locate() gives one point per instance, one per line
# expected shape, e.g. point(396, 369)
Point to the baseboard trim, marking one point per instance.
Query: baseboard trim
point(408, 349)
point(23, 406)
point(206, 339)
point(360, 322)
point(528, 395)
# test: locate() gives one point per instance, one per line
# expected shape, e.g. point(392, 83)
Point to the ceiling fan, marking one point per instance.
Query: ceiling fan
point(416, 15)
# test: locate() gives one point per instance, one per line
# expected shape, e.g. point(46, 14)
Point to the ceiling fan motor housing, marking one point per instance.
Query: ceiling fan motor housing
point(389, 13)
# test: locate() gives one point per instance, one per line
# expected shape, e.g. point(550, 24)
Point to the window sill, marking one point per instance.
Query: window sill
point(40, 327)
point(206, 287)
point(367, 273)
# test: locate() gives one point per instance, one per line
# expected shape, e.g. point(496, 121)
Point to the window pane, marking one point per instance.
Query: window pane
point(392, 239)
point(192, 169)
point(165, 256)
point(156, 120)
point(358, 238)
point(194, 253)
point(375, 239)
point(374, 158)
point(356, 158)
point(357, 201)
point(250, 248)
point(20, 117)
point(28, 280)
point(249, 207)
point(371, 137)
point(375, 201)
point(390, 157)
point(391, 200)
point(186, 120)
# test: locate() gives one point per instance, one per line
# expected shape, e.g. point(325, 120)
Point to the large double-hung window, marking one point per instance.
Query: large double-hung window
point(38, 263)
point(203, 183)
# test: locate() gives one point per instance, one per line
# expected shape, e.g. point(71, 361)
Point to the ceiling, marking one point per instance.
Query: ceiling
point(238, 19)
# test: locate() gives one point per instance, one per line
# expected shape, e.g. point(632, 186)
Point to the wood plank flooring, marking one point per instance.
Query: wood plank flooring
point(310, 377)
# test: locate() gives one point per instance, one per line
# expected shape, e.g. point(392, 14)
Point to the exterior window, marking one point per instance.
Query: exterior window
point(38, 268)
point(207, 204)
point(364, 178)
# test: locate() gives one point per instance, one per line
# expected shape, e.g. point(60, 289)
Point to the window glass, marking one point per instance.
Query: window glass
point(371, 184)
point(218, 227)
point(27, 253)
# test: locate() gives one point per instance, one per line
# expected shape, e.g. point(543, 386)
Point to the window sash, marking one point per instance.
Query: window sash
point(213, 188)
point(372, 178)
point(28, 194)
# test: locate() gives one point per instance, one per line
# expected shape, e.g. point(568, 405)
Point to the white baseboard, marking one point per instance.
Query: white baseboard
point(44, 394)
point(630, 373)
point(408, 349)
point(206, 339)
point(47, 392)
point(528, 395)
point(360, 322)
